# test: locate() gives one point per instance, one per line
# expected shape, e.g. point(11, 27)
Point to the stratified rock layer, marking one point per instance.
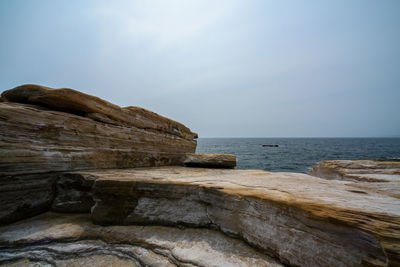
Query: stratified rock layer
point(358, 170)
point(227, 161)
point(300, 219)
point(44, 131)
point(370, 175)
point(72, 240)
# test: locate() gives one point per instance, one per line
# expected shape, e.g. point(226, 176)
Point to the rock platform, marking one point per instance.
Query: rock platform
point(380, 176)
point(300, 219)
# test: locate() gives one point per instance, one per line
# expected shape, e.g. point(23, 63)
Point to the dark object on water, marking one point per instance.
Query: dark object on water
point(270, 145)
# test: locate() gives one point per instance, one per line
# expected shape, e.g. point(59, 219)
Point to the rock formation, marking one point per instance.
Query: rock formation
point(72, 240)
point(44, 131)
point(371, 175)
point(300, 219)
point(227, 161)
point(358, 170)
point(74, 153)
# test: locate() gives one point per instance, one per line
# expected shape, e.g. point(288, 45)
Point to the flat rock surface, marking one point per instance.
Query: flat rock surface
point(359, 170)
point(371, 175)
point(300, 219)
point(72, 240)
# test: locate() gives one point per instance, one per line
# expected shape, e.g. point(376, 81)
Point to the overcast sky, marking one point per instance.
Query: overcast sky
point(223, 68)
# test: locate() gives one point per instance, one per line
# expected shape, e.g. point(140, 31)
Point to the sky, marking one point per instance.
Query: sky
point(223, 68)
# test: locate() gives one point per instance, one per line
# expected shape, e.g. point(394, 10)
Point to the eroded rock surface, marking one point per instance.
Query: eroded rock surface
point(368, 175)
point(44, 131)
point(72, 240)
point(73, 194)
point(300, 219)
point(359, 170)
point(227, 161)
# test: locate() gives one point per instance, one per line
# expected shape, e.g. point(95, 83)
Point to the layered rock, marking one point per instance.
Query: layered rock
point(300, 219)
point(227, 161)
point(358, 170)
point(72, 240)
point(368, 175)
point(71, 152)
point(44, 131)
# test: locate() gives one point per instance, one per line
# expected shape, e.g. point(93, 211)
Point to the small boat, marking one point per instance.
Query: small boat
point(270, 145)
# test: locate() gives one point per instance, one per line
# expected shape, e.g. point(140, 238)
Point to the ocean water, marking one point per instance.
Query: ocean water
point(298, 154)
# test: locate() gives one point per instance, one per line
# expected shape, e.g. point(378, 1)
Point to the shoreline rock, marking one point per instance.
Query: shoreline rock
point(300, 219)
point(45, 132)
point(364, 175)
point(225, 161)
point(120, 168)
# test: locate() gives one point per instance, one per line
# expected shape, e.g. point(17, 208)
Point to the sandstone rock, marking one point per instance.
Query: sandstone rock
point(368, 175)
point(46, 131)
point(211, 160)
point(358, 170)
point(72, 240)
point(300, 219)
point(25, 195)
point(73, 194)
point(76, 102)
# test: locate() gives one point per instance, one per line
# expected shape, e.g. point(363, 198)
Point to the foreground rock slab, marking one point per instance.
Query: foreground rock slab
point(44, 131)
point(72, 240)
point(300, 219)
point(369, 175)
point(227, 161)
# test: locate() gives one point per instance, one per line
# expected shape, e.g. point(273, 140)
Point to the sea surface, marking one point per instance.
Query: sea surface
point(298, 154)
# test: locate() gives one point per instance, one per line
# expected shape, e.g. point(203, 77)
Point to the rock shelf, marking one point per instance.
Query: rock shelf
point(300, 219)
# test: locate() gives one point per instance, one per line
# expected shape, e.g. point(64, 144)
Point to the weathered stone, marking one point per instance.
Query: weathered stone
point(72, 240)
point(72, 101)
point(25, 195)
point(358, 170)
point(73, 193)
point(300, 219)
point(368, 175)
point(211, 160)
point(46, 131)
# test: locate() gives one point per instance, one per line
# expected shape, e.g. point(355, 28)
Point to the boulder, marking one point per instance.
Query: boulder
point(72, 240)
point(300, 219)
point(211, 160)
point(44, 132)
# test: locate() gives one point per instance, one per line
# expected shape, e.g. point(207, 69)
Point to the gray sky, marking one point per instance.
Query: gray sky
point(223, 68)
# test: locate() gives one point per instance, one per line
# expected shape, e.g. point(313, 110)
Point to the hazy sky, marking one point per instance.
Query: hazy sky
point(223, 68)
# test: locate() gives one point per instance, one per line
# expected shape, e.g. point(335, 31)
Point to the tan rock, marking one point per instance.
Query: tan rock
point(72, 240)
point(368, 175)
point(76, 102)
point(44, 131)
point(358, 170)
point(211, 160)
point(300, 219)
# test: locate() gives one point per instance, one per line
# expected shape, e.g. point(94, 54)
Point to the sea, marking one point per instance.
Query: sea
point(299, 154)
